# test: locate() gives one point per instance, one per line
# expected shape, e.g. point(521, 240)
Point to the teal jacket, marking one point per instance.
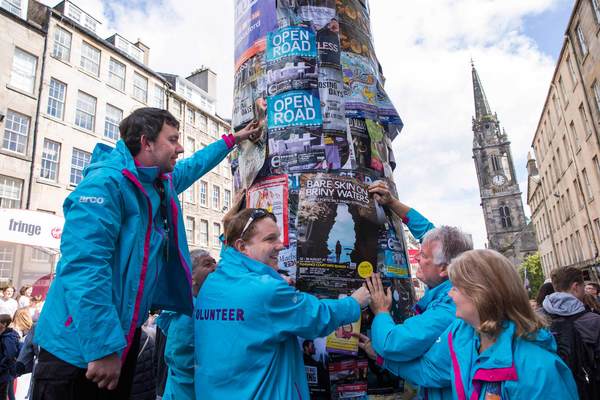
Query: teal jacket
point(512, 368)
point(412, 338)
point(247, 323)
point(102, 291)
point(179, 355)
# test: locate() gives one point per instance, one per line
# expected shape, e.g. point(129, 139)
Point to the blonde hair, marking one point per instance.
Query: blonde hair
point(491, 281)
point(22, 320)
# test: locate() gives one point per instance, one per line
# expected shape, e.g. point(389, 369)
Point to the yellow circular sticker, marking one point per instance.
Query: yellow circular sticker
point(365, 269)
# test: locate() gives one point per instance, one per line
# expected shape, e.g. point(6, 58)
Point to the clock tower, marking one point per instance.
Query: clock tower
point(508, 231)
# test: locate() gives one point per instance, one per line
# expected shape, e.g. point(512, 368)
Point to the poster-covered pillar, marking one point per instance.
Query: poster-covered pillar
point(307, 70)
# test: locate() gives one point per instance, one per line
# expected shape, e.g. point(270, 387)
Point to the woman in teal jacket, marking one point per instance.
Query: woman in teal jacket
point(499, 347)
point(248, 319)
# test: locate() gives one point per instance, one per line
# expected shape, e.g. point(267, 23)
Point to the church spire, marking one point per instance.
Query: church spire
point(482, 108)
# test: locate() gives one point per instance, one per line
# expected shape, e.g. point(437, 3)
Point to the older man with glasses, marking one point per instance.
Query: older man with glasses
point(248, 318)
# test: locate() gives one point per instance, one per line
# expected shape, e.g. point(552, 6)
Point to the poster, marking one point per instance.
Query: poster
point(316, 365)
point(360, 86)
point(391, 259)
point(249, 85)
point(318, 12)
point(271, 194)
point(341, 340)
point(253, 20)
point(331, 93)
point(361, 142)
point(378, 146)
point(250, 161)
point(337, 227)
point(294, 108)
point(338, 152)
point(291, 58)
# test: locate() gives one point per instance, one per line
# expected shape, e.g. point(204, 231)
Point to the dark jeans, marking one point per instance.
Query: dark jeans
point(56, 379)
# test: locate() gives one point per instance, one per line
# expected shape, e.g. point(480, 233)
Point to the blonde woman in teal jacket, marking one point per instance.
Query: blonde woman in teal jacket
point(498, 348)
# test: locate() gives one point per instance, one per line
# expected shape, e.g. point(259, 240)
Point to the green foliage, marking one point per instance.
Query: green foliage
point(535, 274)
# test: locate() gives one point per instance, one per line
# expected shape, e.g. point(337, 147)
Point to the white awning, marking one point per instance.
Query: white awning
point(33, 228)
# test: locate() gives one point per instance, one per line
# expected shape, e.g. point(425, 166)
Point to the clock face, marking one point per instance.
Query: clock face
point(498, 180)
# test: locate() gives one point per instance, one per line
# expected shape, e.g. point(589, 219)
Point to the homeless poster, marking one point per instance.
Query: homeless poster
point(337, 234)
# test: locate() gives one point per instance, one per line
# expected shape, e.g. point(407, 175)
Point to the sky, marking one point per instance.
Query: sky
point(425, 48)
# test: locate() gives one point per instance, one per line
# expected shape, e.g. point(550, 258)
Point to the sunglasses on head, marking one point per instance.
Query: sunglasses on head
point(257, 214)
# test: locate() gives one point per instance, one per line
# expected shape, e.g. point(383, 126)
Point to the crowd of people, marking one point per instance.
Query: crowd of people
point(133, 314)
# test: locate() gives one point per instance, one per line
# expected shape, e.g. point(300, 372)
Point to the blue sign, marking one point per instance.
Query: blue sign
point(294, 108)
point(293, 41)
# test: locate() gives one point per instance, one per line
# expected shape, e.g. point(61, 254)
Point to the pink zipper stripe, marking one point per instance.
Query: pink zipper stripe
point(140, 291)
point(460, 389)
point(496, 374)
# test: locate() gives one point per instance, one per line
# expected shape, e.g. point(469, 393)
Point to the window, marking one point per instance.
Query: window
point(10, 192)
point(191, 119)
point(190, 194)
point(584, 119)
point(62, 44)
point(140, 87)
point(597, 225)
point(596, 89)
point(50, 160)
point(90, 23)
point(505, 219)
point(112, 121)
point(203, 232)
point(90, 59)
point(13, 6)
point(159, 97)
point(581, 40)
point(177, 108)
point(567, 149)
point(39, 255)
point(563, 93)
point(202, 122)
point(216, 234)
point(226, 199)
point(56, 98)
point(16, 132)
point(190, 229)
point(556, 107)
point(79, 161)
point(597, 166)
point(190, 146)
point(496, 166)
point(203, 193)
point(216, 197)
point(596, 6)
point(572, 70)
point(590, 239)
point(23, 71)
point(212, 128)
point(587, 185)
point(574, 136)
point(116, 74)
point(7, 256)
point(578, 194)
point(560, 162)
point(85, 114)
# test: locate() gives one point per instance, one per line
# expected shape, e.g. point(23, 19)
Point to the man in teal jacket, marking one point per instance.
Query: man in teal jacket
point(248, 318)
point(123, 250)
point(436, 310)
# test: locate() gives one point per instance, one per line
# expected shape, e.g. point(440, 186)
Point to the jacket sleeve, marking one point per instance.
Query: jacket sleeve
point(417, 224)
point(27, 354)
point(88, 247)
point(412, 338)
point(292, 312)
point(432, 370)
point(190, 169)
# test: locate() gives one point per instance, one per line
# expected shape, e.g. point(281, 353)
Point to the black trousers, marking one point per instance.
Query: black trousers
point(56, 379)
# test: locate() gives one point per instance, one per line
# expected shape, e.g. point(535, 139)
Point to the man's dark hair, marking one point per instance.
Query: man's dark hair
point(5, 319)
point(594, 284)
point(564, 277)
point(146, 121)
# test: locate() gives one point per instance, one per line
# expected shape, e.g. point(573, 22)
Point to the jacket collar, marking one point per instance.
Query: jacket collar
point(496, 363)
point(432, 294)
point(231, 258)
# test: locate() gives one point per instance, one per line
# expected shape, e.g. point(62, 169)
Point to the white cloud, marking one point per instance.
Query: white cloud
point(424, 47)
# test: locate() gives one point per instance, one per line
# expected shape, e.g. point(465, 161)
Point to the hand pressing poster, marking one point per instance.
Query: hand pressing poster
point(271, 194)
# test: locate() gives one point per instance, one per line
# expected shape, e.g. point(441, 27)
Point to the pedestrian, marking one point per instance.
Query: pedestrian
point(435, 311)
point(9, 350)
point(498, 347)
point(577, 330)
point(8, 305)
point(179, 329)
point(545, 290)
point(592, 288)
point(248, 318)
point(24, 299)
point(22, 323)
point(123, 249)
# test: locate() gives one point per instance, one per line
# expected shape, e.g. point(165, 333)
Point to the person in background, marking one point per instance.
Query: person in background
point(179, 329)
point(498, 347)
point(593, 289)
point(9, 350)
point(22, 323)
point(24, 299)
point(8, 305)
point(545, 290)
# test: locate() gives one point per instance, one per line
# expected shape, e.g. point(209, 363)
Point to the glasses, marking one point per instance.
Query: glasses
point(256, 215)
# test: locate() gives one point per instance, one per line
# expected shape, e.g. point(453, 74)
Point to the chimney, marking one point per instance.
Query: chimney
point(145, 49)
point(205, 79)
